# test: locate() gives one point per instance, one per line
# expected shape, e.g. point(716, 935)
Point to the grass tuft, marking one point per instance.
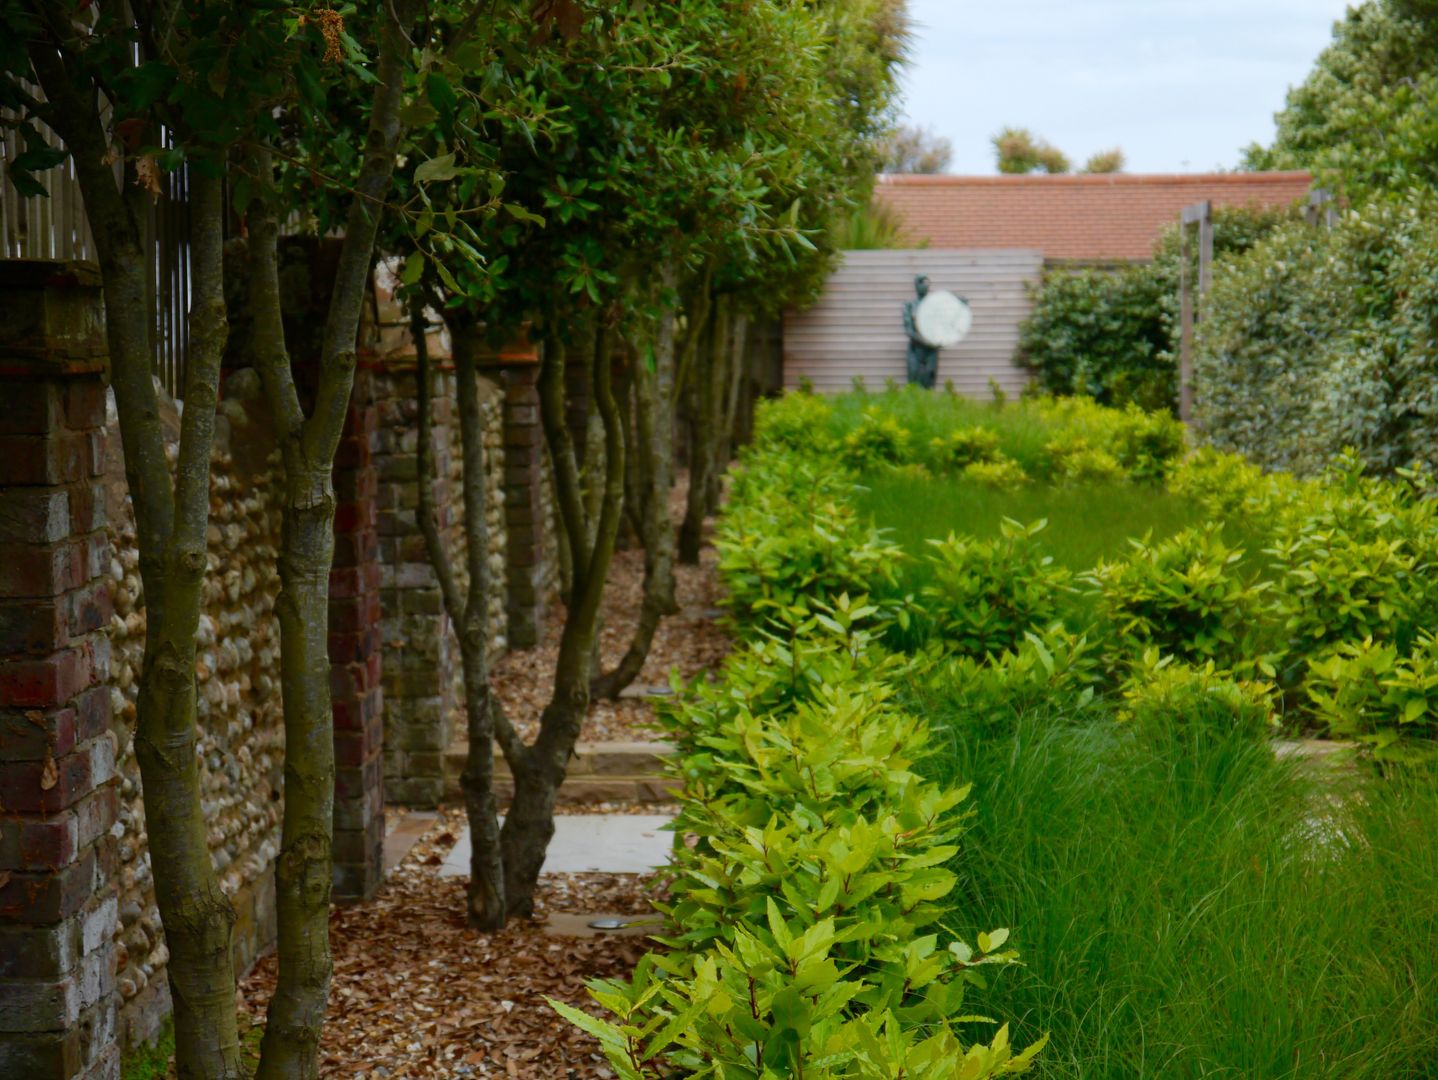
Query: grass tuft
point(1188, 906)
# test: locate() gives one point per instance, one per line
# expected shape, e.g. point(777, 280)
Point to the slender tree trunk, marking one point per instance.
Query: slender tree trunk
point(735, 370)
point(654, 449)
point(171, 523)
point(703, 425)
point(540, 769)
point(307, 445)
point(486, 906)
point(631, 528)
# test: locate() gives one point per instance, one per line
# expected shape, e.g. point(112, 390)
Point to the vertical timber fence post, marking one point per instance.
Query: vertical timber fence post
point(58, 906)
point(1190, 310)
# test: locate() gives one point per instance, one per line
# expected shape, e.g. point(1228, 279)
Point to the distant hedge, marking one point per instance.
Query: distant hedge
point(1112, 335)
point(1317, 339)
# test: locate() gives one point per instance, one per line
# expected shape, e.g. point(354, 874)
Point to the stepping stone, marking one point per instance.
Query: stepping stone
point(590, 843)
point(568, 924)
point(404, 834)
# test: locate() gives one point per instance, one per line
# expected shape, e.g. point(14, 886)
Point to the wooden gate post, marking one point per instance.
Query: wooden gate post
point(1200, 214)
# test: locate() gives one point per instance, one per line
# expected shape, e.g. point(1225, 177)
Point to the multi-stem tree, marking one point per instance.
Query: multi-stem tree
point(684, 141)
point(134, 90)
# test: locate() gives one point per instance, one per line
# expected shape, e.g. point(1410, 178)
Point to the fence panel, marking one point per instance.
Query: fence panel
point(856, 328)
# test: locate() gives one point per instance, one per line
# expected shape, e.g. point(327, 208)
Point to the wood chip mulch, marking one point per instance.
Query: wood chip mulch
point(417, 994)
point(692, 641)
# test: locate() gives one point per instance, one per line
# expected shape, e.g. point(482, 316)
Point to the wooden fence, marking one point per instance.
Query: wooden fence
point(856, 329)
point(55, 227)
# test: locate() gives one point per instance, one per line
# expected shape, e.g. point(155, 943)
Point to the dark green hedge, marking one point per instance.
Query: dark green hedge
point(1318, 339)
point(1112, 334)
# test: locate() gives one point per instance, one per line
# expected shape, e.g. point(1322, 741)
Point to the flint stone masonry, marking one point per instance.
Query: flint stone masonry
point(58, 787)
point(241, 743)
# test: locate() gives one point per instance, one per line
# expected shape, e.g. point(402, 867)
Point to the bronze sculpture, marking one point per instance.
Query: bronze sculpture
point(923, 357)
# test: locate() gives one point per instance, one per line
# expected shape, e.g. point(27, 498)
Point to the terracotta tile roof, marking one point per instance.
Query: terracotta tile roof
point(1115, 216)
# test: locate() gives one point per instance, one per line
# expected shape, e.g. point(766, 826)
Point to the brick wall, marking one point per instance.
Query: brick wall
point(58, 906)
point(1110, 217)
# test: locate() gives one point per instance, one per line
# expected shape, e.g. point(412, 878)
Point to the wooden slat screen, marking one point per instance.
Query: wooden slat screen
point(55, 227)
point(856, 328)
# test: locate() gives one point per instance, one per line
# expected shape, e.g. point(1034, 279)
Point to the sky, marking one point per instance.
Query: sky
point(1180, 85)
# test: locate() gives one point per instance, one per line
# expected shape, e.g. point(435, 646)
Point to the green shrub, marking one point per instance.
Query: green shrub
point(1147, 445)
point(1002, 474)
point(794, 421)
point(1112, 335)
point(1354, 561)
point(805, 900)
point(1074, 460)
point(1186, 596)
point(985, 595)
point(1162, 690)
point(1055, 668)
point(793, 540)
point(963, 447)
point(876, 440)
point(1321, 339)
point(1384, 698)
point(1102, 333)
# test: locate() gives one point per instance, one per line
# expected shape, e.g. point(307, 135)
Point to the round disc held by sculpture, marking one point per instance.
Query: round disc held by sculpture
point(942, 319)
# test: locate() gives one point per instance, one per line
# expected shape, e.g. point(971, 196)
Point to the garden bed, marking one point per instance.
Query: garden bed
point(1185, 901)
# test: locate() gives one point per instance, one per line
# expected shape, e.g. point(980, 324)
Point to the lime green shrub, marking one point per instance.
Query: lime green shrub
point(793, 538)
point(1379, 695)
point(1055, 668)
point(1185, 596)
point(876, 440)
point(1354, 560)
point(986, 595)
point(1073, 460)
point(1001, 474)
point(794, 422)
point(962, 447)
point(1163, 690)
point(809, 886)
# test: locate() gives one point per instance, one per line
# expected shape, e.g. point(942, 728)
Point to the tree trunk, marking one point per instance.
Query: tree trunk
point(486, 906)
point(171, 523)
point(734, 373)
point(303, 872)
point(654, 451)
point(703, 427)
point(540, 769)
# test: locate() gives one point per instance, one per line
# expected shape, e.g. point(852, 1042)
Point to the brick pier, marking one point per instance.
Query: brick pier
point(58, 908)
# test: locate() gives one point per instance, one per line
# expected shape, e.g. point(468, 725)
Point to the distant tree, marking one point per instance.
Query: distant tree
point(1020, 151)
point(1365, 120)
point(915, 150)
point(1105, 161)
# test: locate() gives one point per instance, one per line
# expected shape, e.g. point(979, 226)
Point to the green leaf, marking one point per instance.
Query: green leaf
point(436, 169)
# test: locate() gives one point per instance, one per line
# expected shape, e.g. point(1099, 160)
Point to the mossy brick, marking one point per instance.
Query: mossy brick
point(39, 898)
point(34, 515)
point(41, 951)
point(33, 734)
point(57, 457)
point(32, 407)
point(43, 569)
point(84, 403)
point(47, 1054)
point(47, 681)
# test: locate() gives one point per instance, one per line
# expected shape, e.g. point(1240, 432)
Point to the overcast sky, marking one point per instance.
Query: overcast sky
point(1180, 85)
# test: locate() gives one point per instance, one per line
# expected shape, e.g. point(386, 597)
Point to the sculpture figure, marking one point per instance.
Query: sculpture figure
point(923, 357)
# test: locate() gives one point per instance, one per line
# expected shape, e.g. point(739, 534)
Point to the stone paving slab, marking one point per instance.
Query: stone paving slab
point(591, 843)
